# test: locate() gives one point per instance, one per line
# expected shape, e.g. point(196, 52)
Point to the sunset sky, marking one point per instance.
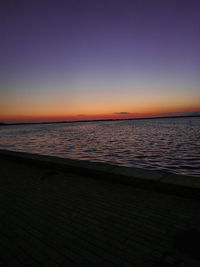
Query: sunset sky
point(72, 60)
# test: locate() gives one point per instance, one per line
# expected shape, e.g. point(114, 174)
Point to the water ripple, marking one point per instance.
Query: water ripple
point(168, 144)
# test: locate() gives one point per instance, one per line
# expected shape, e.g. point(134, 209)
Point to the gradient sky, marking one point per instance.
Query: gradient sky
point(71, 60)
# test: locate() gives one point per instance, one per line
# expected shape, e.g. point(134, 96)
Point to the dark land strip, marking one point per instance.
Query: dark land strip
point(99, 120)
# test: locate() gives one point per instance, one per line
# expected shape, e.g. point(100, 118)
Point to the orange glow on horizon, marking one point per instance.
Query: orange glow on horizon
point(98, 116)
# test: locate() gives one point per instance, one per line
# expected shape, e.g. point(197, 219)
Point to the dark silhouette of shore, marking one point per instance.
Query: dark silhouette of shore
point(61, 212)
point(78, 121)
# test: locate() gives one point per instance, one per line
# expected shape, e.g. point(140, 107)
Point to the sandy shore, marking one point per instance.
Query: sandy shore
point(64, 216)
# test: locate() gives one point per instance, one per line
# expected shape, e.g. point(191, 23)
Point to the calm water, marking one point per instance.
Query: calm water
point(167, 144)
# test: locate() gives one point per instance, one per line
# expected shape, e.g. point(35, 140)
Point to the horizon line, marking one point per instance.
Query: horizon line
point(78, 121)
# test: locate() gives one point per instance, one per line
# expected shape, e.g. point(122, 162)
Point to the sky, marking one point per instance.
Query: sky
point(80, 60)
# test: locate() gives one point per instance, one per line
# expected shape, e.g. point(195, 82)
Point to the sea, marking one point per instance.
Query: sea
point(168, 144)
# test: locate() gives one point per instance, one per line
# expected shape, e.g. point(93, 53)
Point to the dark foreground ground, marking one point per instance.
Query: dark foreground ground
point(54, 218)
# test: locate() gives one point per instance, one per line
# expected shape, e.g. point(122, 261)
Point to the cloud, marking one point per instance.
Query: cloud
point(122, 113)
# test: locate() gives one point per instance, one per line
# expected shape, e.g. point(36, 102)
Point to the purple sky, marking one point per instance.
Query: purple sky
point(80, 44)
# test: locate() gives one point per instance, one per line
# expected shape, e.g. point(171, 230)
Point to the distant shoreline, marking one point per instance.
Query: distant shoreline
point(53, 122)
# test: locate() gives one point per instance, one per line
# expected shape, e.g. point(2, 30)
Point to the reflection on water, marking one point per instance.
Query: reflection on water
point(167, 144)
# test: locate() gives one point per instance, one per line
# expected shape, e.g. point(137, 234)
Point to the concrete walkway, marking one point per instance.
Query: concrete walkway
point(54, 218)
